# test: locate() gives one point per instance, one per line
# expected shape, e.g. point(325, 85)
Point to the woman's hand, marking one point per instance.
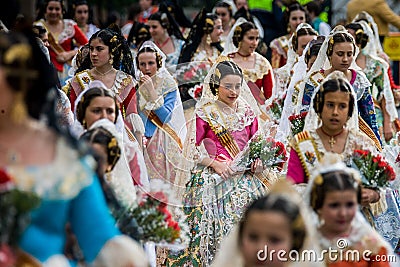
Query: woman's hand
point(387, 131)
point(369, 196)
point(257, 166)
point(222, 169)
point(147, 88)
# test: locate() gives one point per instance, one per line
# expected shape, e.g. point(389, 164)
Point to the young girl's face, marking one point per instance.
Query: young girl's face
point(148, 63)
point(335, 110)
point(263, 232)
point(342, 56)
point(338, 212)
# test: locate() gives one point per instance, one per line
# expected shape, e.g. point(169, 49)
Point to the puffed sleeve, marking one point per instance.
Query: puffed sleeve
point(164, 112)
point(295, 170)
point(91, 220)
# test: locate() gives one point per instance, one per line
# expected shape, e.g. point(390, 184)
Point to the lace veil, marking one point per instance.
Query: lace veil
point(229, 46)
point(191, 153)
point(371, 50)
point(177, 121)
point(230, 253)
point(131, 148)
point(313, 121)
point(332, 162)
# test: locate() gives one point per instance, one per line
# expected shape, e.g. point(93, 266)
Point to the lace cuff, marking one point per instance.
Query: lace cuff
point(153, 105)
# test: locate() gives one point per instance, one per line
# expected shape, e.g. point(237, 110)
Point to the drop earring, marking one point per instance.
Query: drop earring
point(19, 111)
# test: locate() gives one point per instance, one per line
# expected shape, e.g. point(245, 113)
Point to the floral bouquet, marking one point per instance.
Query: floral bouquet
point(297, 122)
point(15, 206)
point(272, 153)
point(274, 109)
point(375, 170)
point(155, 221)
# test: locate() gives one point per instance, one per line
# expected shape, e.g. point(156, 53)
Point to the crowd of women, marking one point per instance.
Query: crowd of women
point(260, 155)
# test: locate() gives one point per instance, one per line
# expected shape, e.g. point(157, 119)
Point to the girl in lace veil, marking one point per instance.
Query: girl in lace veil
point(338, 53)
point(327, 128)
point(334, 187)
point(376, 70)
point(215, 196)
point(281, 214)
point(160, 108)
point(240, 47)
point(131, 163)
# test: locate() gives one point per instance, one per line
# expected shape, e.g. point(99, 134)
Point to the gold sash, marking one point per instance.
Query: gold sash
point(364, 127)
point(306, 148)
point(163, 126)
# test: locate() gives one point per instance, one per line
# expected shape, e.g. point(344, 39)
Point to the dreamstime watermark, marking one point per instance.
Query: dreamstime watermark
point(340, 253)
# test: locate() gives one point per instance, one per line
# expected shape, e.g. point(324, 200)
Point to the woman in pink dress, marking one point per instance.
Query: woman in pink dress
point(215, 195)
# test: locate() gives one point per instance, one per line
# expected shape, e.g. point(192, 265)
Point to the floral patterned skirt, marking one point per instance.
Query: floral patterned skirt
point(213, 206)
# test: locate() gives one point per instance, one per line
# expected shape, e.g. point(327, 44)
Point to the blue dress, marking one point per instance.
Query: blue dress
point(69, 192)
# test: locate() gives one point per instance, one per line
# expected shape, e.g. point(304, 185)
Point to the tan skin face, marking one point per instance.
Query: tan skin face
point(147, 63)
point(229, 89)
point(99, 108)
point(338, 212)
point(342, 56)
point(53, 12)
point(82, 14)
point(156, 30)
point(311, 62)
point(223, 14)
point(296, 17)
point(217, 32)
point(302, 42)
point(249, 42)
point(335, 111)
point(99, 54)
point(265, 228)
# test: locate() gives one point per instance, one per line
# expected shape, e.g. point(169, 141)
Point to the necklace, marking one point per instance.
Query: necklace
point(103, 73)
point(245, 58)
point(163, 44)
point(332, 139)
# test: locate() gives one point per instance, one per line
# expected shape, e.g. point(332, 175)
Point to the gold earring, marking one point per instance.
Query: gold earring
point(19, 111)
point(84, 124)
point(216, 91)
point(208, 39)
point(111, 60)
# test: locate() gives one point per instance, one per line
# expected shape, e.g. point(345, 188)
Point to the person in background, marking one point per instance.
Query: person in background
point(64, 35)
point(133, 17)
point(224, 10)
point(148, 8)
point(379, 10)
point(314, 10)
point(81, 14)
point(293, 16)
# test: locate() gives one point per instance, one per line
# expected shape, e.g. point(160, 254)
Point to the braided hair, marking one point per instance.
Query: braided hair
point(223, 69)
point(118, 47)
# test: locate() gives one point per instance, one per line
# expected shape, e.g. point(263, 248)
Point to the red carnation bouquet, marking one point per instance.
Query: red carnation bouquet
point(374, 169)
point(274, 110)
point(297, 122)
point(272, 153)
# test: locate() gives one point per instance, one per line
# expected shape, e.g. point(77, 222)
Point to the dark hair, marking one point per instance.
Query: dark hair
point(278, 203)
point(138, 34)
point(313, 7)
point(302, 32)
point(223, 69)
point(314, 47)
point(87, 98)
point(240, 31)
point(39, 31)
point(329, 86)
point(293, 7)
point(226, 5)
point(361, 37)
point(133, 11)
point(176, 11)
point(332, 181)
point(81, 3)
point(339, 38)
point(43, 7)
point(118, 48)
point(168, 23)
point(27, 69)
point(103, 137)
point(147, 49)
